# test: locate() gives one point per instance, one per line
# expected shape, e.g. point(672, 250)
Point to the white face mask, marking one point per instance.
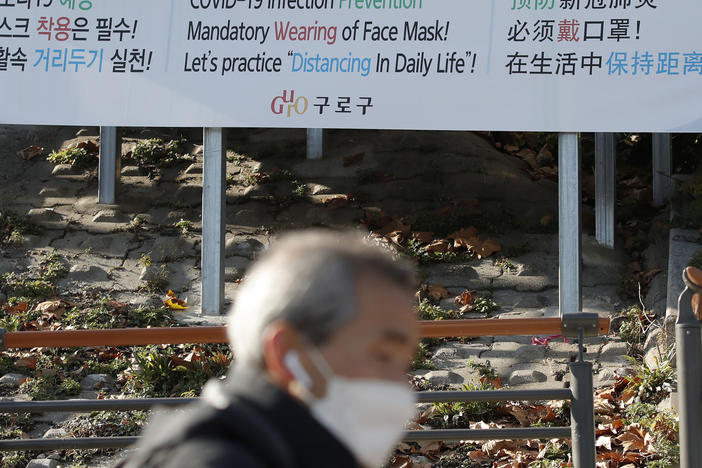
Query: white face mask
point(367, 415)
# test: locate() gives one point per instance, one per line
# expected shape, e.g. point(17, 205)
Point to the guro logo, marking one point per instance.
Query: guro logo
point(287, 100)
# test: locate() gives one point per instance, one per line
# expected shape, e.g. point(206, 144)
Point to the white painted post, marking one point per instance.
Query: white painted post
point(315, 143)
point(110, 163)
point(605, 188)
point(569, 224)
point(662, 173)
point(213, 222)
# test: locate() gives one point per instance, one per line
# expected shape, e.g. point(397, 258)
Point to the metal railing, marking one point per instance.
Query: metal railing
point(689, 357)
point(580, 394)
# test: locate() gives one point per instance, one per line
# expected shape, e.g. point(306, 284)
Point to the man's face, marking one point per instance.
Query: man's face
point(381, 340)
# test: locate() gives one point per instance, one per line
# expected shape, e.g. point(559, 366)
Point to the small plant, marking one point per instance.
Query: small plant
point(555, 456)
point(662, 428)
point(635, 325)
point(107, 424)
point(505, 265)
point(299, 189)
point(236, 158)
point(651, 384)
point(78, 157)
point(157, 281)
point(49, 387)
point(173, 371)
point(145, 260)
point(421, 359)
point(13, 227)
point(52, 267)
point(696, 260)
point(15, 285)
point(137, 224)
point(452, 412)
point(156, 152)
point(485, 370)
point(429, 311)
point(184, 226)
point(484, 304)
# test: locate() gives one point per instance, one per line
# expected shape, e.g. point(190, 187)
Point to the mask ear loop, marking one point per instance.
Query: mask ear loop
point(320, 362)
point(303, 382)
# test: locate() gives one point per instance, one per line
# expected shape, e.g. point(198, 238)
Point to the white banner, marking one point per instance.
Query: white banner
point(536, 65)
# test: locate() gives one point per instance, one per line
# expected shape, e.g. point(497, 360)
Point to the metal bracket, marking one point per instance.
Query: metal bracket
point(572, 323)
point(3, 346)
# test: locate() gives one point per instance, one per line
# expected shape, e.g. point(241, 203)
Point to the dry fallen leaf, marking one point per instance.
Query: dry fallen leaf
point(29, 362)
point(633, 438)
point(486, 248)
point(335, 202)
point(465, 298)
point(423, 237)
point(438, 292)
point(462, 239)
point(440, 246)
point(30, 152)
point(604, 441)
point(174, 303)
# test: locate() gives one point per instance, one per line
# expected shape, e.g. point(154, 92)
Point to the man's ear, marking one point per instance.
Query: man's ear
point(279, 338)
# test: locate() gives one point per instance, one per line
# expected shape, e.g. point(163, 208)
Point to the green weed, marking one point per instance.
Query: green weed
point(429, 311)
point(421, 359)
point(49, 387)
point(52, 267)
point(470, 410)
point(164, 372)
point(156, 152)
point(652, 384)
point(13, 284)
point(78, 158)
point(184, 226)
point(13, 227)
point(157, 281)
point(696, 260)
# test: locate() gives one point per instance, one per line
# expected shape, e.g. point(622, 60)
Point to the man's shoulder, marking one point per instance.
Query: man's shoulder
point(209, 452)
point(205, 436)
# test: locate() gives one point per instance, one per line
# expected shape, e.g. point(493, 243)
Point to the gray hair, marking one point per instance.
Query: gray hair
point(307, 279)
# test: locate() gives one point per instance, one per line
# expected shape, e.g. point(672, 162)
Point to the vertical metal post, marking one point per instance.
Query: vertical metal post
point(662, 173)
point(582, 411)
point(213, 222)
point(315, 143)
point(605, 188)
point(110, 162)
point(689, 348)
point(569, 230)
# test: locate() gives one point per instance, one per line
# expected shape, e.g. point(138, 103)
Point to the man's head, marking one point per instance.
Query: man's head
point(335, 292)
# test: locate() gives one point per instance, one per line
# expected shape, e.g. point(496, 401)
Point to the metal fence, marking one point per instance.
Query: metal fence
point(689, 363)
point(580, 394)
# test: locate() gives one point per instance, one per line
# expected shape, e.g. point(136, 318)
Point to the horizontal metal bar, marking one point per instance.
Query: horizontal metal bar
point(508, 433)
point(56, 444)
point(146, 403)
point(178, 335)
point(440, 434)
point(90, 405)
point(496, 395)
